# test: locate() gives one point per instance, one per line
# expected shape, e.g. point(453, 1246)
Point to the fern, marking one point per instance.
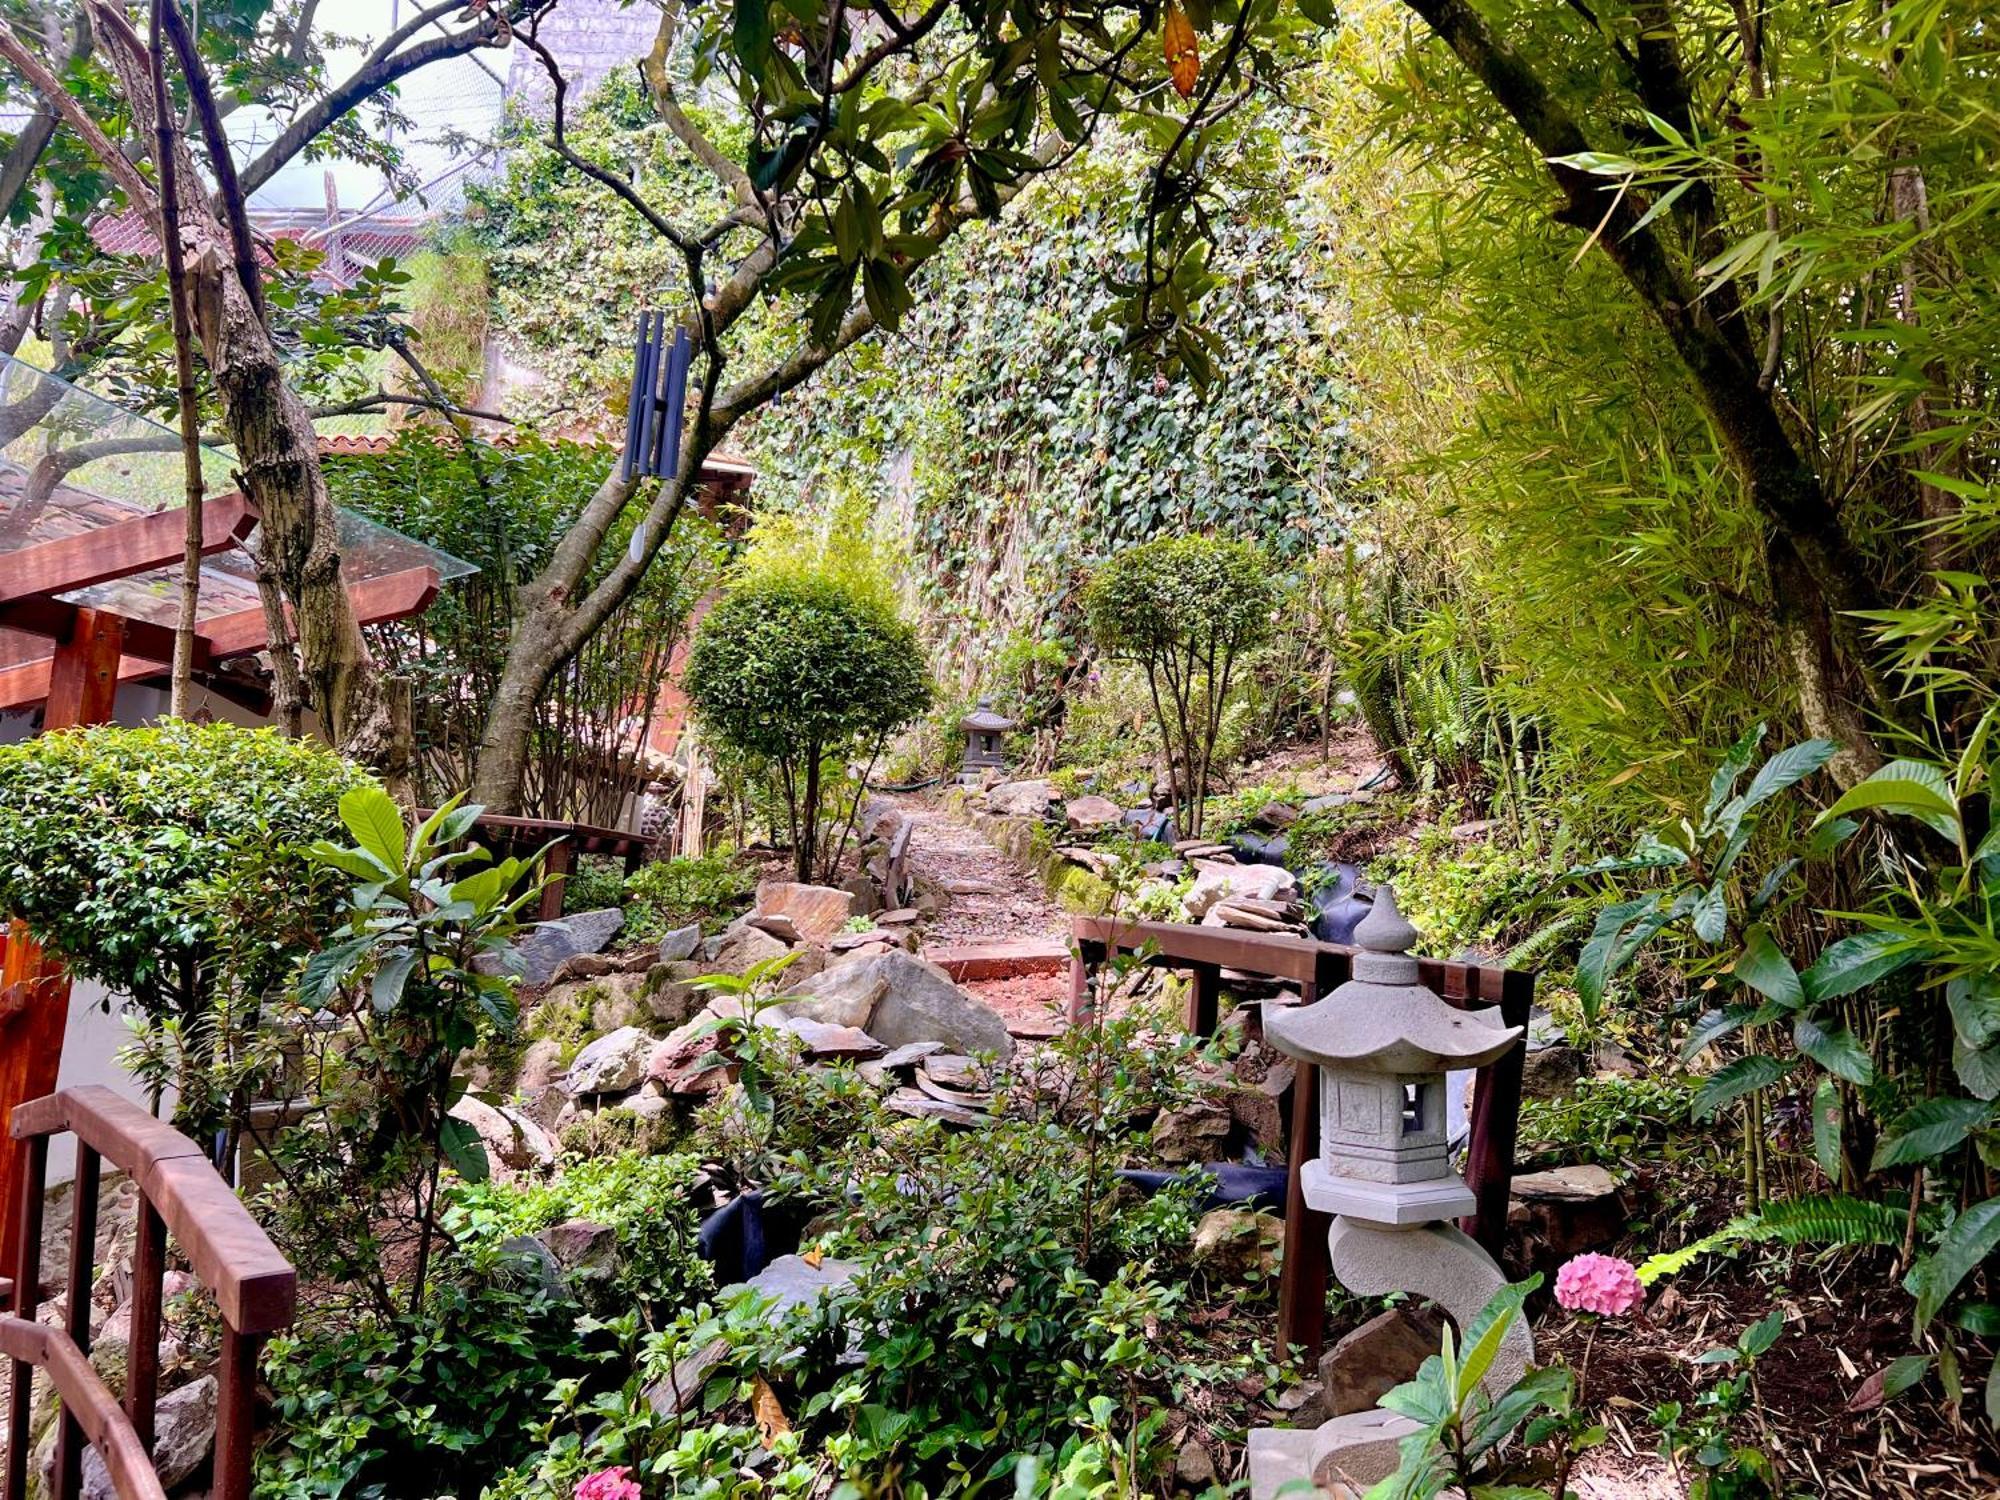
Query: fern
point(1830, 1219)
point(1673, 1262)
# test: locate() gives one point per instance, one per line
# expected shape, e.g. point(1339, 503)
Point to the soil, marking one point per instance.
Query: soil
point(991, 899)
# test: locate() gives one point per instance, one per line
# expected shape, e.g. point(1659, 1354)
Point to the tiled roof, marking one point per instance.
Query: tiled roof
point(717, 467)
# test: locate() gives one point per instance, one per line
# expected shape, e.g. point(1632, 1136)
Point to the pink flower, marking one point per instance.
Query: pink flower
point(609, 1484)
point(1599, 1284)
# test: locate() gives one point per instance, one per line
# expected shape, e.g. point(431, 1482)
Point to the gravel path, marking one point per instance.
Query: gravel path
point(992, 898)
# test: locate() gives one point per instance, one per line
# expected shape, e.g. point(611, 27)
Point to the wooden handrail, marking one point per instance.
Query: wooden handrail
point(103, 1422)
point(255, 1289)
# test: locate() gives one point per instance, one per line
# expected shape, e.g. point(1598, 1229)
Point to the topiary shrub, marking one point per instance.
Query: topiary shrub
point(169, 863)
point(800, 668)
point(1184, 608)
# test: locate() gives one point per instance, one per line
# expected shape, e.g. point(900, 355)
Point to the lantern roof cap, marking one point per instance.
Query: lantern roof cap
point(984, 719)
point(1384, 1019)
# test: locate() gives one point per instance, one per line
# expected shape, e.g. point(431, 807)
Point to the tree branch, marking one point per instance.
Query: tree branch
point(138, 192)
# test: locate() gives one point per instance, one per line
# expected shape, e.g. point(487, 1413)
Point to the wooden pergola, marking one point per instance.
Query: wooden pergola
point(70, 658)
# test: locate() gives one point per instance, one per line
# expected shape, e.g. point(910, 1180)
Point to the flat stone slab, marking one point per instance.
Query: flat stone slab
point(1281, 1456)
point(1003, 960)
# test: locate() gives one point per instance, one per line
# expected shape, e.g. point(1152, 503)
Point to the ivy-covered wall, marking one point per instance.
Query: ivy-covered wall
point(1002, 439)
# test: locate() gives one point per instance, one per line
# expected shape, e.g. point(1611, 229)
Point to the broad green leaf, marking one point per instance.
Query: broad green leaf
point(1853, 963)
point(1593, 965)
point(1835, 1049)
point(1758, 1338)
point(1826, 1128)
point(1981, 1319)
point(1712, 1027)
point(327, 969)
point(1730, 770)
point(1711, 914)
point(1971, 1238)
point(386, 991)
point(1993, 1395)
point(372, 816)
point(462, 1149)
point(1900, 1374)
point(1975, 1008)
point(1930, 1128)
point(1744, 1076)
point(356, 862)
point(1766, 970)
point(1915, 787)
point(1978, 1068)
point(1481, 1349)
point(1788, 767)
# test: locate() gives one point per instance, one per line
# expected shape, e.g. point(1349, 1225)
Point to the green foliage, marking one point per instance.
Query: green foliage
point(417, 1403)
point(1461, 1425)
point(380, 1018)
point(798, 667)
point(647, 1200)
point(1726, 1467)
point(671, 893)
point(504, 508)
point(1603, 1120)
point(165, 861)
point(1184, 608)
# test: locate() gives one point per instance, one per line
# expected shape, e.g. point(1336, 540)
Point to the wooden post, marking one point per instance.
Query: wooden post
point(555, 867)
point(1204, 998)
point(1307, 1265)
point(1496, 1120)
point(34, 990)
point(235, 1424)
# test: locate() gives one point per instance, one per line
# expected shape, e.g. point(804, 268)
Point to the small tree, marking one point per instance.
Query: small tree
point(800, 668)
point(1184, 608)
point(170, 864)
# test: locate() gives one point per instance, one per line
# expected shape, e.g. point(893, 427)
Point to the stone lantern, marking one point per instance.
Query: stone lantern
point(982, 729)
point(1383, 1042)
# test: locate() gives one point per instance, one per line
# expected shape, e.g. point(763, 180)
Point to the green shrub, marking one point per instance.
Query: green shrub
point(160, 861)
point(1184, 608)
point(432, 1403)
point(674, 892)
point(800, 667)
point(647, 1200)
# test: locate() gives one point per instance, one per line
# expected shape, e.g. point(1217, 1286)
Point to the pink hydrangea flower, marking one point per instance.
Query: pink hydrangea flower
point(609, 1484)
point(1599, 1284)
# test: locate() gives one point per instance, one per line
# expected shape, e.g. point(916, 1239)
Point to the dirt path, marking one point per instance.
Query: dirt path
point(992, 898)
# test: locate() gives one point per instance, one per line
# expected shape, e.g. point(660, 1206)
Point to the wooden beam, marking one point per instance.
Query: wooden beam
point(119, 550)
point(52, 617)
point(83, 675)
point(394, 596)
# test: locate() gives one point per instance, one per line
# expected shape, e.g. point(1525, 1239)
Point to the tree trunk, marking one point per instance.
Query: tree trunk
point(276, 446)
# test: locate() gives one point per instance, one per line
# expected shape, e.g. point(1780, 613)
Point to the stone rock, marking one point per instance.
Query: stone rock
point(867, 896)
point(742, 946)
point(919, 1105)
point(616, 1000)
point(541, 1065)
point(823, 1040)
point(1568, 1210)
point(1314, 806)
point(1021, 799)
point(1214, 882)
point(544, 947)
point(670, 995)
point(862, 951)
point(514, 1143)
point(527, 1263)
point(1360, 1450)
point(902, 916)
point(844, 995)
point(1377, 1357)
point(1232, 1243)
point(1609, 1060)
point(970, 887)
point(1195, 1133)
point(920, 1003)
point(816, 912)
point(909, 1056)
point(1254, 1106)
point(1551, 1072)
point(1276, 816)
point(680, 943)
point(585, 1249)
point(1083, 813)
point(611, 1064)
point(780, 926)
point(585, 966)
point(1194, 1469)
point(184, 1431)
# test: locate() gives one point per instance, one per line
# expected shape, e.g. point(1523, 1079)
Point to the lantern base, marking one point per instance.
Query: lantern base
point(1389, 1205)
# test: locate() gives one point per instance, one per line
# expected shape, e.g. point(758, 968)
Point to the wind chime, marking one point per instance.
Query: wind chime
point(657, 408)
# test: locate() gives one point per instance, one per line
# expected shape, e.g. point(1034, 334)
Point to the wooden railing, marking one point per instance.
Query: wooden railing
point(255, 1290)
point(1204, 952)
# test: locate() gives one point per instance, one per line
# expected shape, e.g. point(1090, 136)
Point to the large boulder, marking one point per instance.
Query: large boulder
point(743, 945)
point(542, 949)
point(1214, 882)
point(816, 912)
point(611, 1064)
point(680, 943)
point(1021, 799)
point(514, 1143)
point(1194, 1133)
point(1232, 1244)
point(1086, 813)
point(184, 1430)
point(920, 1003)
point(844, 995)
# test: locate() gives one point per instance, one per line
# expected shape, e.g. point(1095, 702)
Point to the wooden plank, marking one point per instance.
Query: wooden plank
point(117, 551)
point(1496, 1119)
point(57, 620)
point(83, 674)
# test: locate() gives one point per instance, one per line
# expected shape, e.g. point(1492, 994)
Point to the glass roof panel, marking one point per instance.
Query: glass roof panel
point(72, 462)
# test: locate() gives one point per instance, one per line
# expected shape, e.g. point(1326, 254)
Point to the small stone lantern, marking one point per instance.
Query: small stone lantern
point(982, 728)
point(1383, 1042)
